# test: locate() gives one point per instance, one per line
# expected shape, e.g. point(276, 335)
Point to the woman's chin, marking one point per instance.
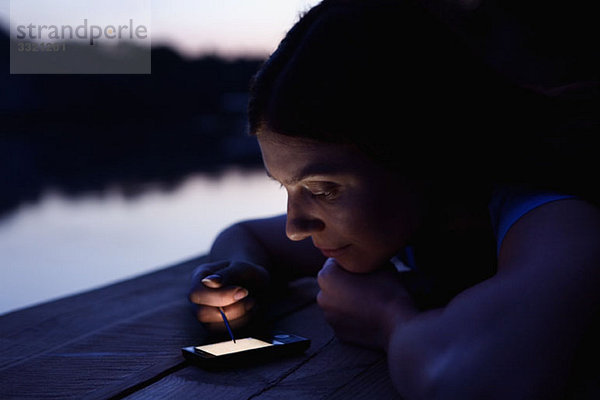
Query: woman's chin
point(358, 267)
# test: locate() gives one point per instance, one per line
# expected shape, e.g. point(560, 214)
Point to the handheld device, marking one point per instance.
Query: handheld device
point(249, 350)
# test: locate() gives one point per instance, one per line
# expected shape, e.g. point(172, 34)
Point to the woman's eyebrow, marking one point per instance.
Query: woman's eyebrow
point(311, 170)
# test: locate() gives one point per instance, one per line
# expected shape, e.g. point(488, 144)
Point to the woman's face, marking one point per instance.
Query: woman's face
point(353, 209)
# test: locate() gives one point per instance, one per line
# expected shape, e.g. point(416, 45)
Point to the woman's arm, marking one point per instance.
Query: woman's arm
point(264, 242)
point(513, 336)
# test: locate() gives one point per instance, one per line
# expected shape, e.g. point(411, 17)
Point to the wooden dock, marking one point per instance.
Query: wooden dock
point(125, 340)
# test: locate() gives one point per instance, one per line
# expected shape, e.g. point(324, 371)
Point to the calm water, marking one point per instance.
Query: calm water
point(61, 246)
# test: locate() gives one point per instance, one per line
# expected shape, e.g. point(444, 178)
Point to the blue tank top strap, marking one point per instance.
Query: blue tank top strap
point(404, 260)
point(510, 203)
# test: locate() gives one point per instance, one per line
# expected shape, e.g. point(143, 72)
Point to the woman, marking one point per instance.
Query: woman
point(420, 183)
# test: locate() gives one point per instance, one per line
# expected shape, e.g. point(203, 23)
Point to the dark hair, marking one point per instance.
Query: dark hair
point(391, 79)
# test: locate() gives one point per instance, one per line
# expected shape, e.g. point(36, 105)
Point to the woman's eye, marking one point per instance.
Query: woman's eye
point(325, 195)
point(328, 192)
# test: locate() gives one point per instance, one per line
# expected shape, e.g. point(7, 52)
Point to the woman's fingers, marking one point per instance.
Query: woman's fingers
point(222, 273)
point(219, 297)
point(208, 270)
point(226, 284)
point(233, 312)
point(223, 283)
point(213, 281)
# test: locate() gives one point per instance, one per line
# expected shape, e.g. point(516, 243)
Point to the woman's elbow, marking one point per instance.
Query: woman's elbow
point(419, 361)
point(465, 371)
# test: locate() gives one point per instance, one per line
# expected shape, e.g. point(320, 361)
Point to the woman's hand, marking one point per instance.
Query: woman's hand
point(232, 285)
point(363, 308)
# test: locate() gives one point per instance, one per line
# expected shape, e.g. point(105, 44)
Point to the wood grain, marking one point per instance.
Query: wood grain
point(124, 341)
point(37, 330)
point(105, 342)
point(98, 343)
point(325, 371)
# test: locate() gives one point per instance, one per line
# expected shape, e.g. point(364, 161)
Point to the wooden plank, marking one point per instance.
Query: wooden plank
point(330, 370)
point(39, 329)
point(103, 363)
point(334, 370)
point(335, 367)
point(107, 342)
point(372, 383)
point(248, 381)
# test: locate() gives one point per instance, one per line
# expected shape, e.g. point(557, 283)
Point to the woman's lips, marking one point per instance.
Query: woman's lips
point(333, 252)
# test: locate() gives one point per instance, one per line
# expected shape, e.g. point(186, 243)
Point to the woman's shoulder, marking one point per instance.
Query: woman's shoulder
point(510, 202)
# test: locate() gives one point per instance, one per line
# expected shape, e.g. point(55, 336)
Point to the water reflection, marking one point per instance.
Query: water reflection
point(63, 245)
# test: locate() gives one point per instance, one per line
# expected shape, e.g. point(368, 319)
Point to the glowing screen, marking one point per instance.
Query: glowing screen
point(228, 347)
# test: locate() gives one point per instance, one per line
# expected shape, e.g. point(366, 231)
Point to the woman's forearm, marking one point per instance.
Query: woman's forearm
point(479, 354)
point(515, 335)
point(264, 242)
point(238, 243)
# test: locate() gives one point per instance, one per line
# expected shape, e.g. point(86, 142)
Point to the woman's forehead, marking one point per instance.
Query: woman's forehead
point(268, 136)
point(299, 158)
point(277, 147)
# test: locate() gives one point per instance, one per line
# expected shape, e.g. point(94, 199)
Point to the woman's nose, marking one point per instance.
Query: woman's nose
point(301, 223)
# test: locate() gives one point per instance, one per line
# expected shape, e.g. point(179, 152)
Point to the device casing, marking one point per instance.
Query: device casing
point(283, 345)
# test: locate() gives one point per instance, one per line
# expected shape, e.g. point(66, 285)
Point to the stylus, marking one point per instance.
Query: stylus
point(226, 323)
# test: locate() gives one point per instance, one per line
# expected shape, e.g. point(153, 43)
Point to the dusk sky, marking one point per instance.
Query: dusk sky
point(226, 27)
